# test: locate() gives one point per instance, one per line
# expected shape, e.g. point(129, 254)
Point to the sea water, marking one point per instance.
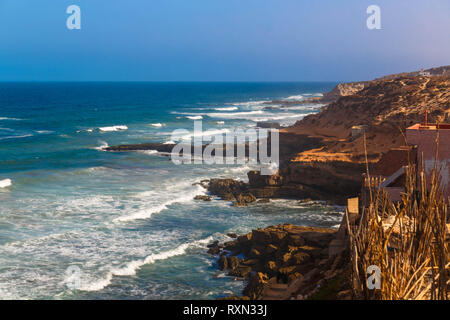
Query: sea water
point(77, 222)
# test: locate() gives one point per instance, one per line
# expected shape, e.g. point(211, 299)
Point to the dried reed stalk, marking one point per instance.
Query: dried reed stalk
point(412, 252)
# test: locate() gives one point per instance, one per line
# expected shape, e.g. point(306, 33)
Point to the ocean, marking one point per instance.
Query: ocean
point(77, 222)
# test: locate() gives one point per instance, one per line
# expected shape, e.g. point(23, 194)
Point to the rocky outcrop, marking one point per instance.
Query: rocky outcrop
point(288, 257)
point(343, 90)
point(202, 197)
point(319, 156)
point(384, 107)
point(160, 147)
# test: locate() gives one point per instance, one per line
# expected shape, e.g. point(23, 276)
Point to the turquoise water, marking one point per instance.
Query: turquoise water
point(79, 222)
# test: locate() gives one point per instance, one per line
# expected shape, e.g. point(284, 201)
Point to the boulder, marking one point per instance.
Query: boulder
point(226, 187)
point(214, 248)
point(202, 197)
point(233, 262)
point(244, 199)
point(271, 249)
point(300, 257)
point(227, 196)
point(223, 262)
point(255, 285)
point(271, 266)
point(241, 271)
point(261, 236)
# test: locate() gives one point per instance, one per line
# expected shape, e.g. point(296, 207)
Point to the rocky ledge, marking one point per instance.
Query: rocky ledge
point(260, 189)
point(286, 262)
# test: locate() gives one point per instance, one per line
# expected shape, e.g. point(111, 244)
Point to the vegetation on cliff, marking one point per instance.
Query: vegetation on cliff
point(407, 241)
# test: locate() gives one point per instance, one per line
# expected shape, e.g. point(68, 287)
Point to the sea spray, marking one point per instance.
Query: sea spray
point(131, 268)
point(5, 183)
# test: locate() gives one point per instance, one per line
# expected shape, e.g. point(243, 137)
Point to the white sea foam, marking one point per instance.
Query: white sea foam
point(220, 122)
point(16, 137)
point(249, 104)
point(149, 152)
point(207, 133)
point(113, 128)
point(226, 109)
point(5, 183)
point(294, 98)
point(6, 118)
point(131, 268)
point(235, 115)
point(44, 131)
point(194, 117)
point(158, 125)
point(169, 142)
point(185, 189)
point(102, 147)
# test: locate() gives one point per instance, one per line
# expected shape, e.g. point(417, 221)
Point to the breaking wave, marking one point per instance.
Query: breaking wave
point(113, 128)
point(131, 268)
point(226, 109)
point(5, 183)
point(194, 117)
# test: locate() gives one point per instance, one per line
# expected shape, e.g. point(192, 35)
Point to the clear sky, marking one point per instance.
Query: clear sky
point(220, 40)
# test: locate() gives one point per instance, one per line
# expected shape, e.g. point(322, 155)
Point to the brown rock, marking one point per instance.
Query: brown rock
point(255, 253)
point(244, 199)
point(255, 285)
point(286, 257)
point(202, 197)
point(344, 295)
point(214, 250)
point(223, 263)
point(227, 197)
point(261, 236)
point(271, 249)
point(272, 266)
point(278, 237)
point(294, 276)
point(225, 187)
point(295, 240)
point(287, 270)
point(233, 262)
point(250, 262)
point(241, 271)
point(300, 257)
point(213, 244)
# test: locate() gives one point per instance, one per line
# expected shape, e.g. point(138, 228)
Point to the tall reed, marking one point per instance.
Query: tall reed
point(406, 240)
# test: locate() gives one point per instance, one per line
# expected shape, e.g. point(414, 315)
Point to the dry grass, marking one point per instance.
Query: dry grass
point(406, 240)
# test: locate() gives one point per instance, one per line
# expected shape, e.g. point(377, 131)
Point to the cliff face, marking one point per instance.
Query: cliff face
point(385, 107)
point(319, 156)
point(343, 90)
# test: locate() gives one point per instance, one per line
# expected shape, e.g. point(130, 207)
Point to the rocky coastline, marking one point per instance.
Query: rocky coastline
point(321, 158)
point(287, 262)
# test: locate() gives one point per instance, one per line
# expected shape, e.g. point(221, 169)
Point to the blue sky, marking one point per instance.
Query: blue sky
point(220, 40)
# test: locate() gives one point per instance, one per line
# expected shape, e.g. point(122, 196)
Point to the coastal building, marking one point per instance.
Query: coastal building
point(428, 147)
point(424, 73)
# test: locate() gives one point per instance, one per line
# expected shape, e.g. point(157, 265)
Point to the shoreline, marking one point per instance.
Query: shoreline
point(286, 262)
